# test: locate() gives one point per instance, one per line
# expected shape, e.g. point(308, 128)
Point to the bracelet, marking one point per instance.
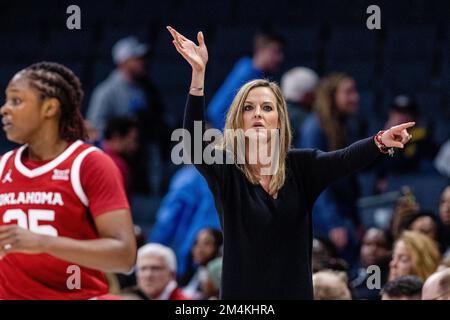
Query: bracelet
point(383, 148)
point(196, 88)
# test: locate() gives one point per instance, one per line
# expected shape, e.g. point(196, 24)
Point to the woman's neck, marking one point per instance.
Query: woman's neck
point(258, 170)
point(261, 154)
point(46, 149)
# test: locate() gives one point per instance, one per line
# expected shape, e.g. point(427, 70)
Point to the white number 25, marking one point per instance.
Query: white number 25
point(32, 221)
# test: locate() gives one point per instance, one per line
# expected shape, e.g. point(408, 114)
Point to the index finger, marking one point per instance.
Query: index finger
point(172, 32)
point(404, 126)
point(175, 33)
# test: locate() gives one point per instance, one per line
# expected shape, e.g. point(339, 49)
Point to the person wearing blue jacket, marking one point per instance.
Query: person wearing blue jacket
point(267, 58)
point(187, 208)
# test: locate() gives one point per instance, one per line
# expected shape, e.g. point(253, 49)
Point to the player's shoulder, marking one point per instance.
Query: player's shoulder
point(87, 148)
point(94, 157)
point(91, 153)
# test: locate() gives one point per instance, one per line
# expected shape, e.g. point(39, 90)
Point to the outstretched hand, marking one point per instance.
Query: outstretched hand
point(397, 136)
point(196, 55)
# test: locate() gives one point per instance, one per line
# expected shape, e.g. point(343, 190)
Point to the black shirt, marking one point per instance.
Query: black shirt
point(267, 241)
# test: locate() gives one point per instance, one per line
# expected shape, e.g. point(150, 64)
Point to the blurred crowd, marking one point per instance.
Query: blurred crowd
point(180, 256)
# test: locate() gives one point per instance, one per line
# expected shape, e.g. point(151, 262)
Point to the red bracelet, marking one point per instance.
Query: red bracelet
point(383, 148)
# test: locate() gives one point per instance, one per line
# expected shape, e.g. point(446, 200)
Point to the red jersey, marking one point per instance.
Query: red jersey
point(60, 197)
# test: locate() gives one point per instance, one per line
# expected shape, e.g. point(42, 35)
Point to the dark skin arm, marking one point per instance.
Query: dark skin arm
point(114, 251)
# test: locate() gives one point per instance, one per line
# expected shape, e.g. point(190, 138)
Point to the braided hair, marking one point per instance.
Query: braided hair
point(54, 80)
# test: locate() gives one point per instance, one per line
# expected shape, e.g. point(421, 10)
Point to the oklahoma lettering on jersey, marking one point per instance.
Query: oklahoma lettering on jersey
point(48, 199)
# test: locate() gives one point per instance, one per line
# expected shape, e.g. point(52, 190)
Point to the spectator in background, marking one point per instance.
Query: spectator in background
point(331, 285)
point(442, 160)
point(324, 256)
point(298, 86)
point(418, 155)
point(403, 288)
point(336, 100)
point(414, 254)
point(93, 136)
point(375, 251)
point(405, 207)
point(121, 140)
point(210, 284)
point(444, 219)
point(127, 92)
point(437, 286)
point(187, 208)
point(156, 273)
point(267, 57)
point(206, 247)
point(335, 214)
point(425, 223)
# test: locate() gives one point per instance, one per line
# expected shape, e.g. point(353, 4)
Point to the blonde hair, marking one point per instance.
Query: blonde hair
point(326, 109)
point(234, 121)
point(424, 252)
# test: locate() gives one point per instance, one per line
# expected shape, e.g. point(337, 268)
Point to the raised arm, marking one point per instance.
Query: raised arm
point(327, 167)
point(197, 57)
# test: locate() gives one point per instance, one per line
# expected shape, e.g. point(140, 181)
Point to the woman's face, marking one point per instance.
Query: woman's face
point(347, 97)
point(401, 263)
point(21, 114)
point(444, 207)
point(205, 248)
point(260, 111)
point(374, 249)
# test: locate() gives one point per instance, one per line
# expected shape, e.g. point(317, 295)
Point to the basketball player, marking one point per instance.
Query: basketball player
point(64, 216)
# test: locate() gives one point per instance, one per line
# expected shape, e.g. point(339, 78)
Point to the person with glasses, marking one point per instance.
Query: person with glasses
point(156, 269)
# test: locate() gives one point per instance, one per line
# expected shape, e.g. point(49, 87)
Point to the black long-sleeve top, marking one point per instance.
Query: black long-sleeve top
point(267, 241)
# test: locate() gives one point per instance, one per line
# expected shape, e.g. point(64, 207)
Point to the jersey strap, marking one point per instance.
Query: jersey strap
point(75, 175)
